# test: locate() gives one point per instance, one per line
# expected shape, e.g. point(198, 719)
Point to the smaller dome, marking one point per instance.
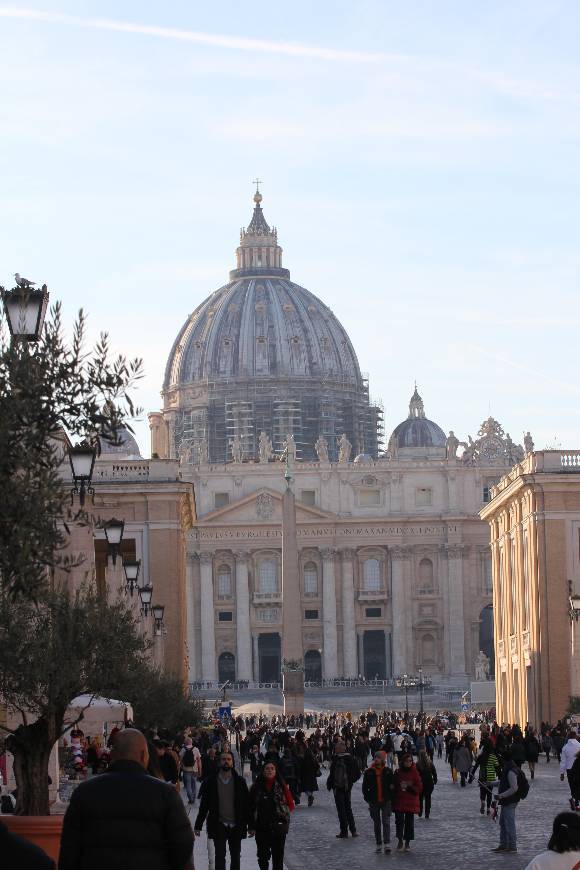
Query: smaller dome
point(126, 449)
point(417, 431)
point(363, 459)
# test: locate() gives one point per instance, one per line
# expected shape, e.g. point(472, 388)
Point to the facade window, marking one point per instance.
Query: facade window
point(268, 614)
point(369, 497)
point(513, 586)
point(428, 650)
point(308, 496)
point(310, 579)
point(487, 576)
point(373, 612)
point(526, 584)
point(268, 576)
point(311, 614)
point(426, 576)
point(225, 616)
point(221, 499)
point(224, 582)
point(423, 496)
point(371, 575)
point(486, 494)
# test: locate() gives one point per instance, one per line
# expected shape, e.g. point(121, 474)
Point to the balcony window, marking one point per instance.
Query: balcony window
point(310, 579)
point(224, 582)
point(371, 575)
point(268, 577)
point(426, 576)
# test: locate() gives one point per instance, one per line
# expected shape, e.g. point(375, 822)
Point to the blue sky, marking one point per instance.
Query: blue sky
point(420, 160)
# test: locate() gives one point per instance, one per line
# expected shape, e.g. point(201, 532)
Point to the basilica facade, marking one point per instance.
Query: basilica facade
point(394, 561)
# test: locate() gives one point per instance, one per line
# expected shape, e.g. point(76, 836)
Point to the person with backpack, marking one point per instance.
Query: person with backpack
point(190, 758)
point(378, 790)
point(513, 787)
point(344, 772)
point(271, 803)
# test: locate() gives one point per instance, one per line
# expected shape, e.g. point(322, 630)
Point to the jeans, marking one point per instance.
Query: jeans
point(507, 826)
point(405, 826)
point(190, 785)
point(425, 799)
point(231, 837)
point(344, 810)
point(485, 795)
point(270, 845)
point(381, 815)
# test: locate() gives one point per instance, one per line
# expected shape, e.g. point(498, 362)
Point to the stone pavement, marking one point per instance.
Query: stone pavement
point(456, 835)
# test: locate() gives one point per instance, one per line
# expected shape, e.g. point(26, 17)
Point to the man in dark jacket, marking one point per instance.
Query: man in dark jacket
point(344, 772)
point(125, 819)
point(378, 790)
point(225, 802)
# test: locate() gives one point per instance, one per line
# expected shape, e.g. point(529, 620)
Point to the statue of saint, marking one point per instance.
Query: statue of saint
point(482, 667)
point(528, 443)
point(321, 448)
point(451, 445)
point(237, 448)
point(265, 448)
point(289, 446)
point(344, 448)
point(185, 453)
point(203, 452)
point(468, 457)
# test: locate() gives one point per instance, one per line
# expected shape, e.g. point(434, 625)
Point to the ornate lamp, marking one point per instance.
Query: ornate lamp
point(25, 309)
point(82, 463)
point(131, 569)
point(158, 610)
point(575, 607)
point(145, 594)
point(114, 534)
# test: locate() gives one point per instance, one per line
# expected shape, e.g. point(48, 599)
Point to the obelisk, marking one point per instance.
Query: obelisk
point(292, 655)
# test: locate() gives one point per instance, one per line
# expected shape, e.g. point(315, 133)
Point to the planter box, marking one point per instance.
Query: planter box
point(44, 831)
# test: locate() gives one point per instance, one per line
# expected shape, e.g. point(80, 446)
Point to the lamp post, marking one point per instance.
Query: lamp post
point(574, 607)
point(158, 610)
point(82, 463)
point(145, 594)
point(421, 690)
point(114, 534)
point(131, 569)
point(25, 309)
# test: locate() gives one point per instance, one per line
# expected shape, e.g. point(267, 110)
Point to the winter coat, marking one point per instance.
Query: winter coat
point(518, 752)
point(462, 759)
point(369, 786)
point(125, 820)
point(308, 771)
point(428, 778)
point(209, 806)
point(407, 800)
point(352, 770)
point(18, 852)
point(532, 746)
point(270, 808)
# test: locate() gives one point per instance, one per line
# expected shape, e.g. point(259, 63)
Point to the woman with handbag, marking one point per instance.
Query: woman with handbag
point(271, 803)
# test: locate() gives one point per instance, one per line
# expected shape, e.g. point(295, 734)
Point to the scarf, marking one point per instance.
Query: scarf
point(379, 776)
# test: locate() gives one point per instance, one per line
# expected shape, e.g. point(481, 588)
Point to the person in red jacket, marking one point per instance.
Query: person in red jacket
point(408, 787)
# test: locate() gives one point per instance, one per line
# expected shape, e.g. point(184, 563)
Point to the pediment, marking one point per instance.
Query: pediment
point(262, 507)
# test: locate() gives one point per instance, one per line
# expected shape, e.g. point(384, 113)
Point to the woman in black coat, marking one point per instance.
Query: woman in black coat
point(532, 746)
point(309, 770)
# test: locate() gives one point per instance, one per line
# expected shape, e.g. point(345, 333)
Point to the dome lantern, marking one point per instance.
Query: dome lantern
point(259, 252)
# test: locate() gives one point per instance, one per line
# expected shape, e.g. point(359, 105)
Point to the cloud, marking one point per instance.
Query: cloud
point(216, 40)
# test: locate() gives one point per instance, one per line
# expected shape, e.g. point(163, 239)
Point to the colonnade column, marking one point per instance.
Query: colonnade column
point(190, 617)
point(208, 664)
point(398, 609)
point(243, 637)
point(330, 652)
point(455, 609)
point(348, 616)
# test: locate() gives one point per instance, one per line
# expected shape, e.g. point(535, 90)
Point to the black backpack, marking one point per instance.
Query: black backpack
point(188, 759)
point(523, 785)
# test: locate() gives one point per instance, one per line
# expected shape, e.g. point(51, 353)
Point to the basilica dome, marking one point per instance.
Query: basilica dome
point(263, 354)
point(416, 431)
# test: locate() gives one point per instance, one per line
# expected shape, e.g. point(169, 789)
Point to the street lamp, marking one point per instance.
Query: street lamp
point(82, 463)
point(421, 690)
point(114, 534)
point(145, 594)
point(158, 610)
point(25, 309)
point(574, 607)
point(131, 569)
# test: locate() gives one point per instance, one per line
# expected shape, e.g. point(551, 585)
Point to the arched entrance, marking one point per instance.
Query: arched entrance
point(486, 636)
point(313, 666)
point(374, 653)
point(269, 657)
point(227, 667)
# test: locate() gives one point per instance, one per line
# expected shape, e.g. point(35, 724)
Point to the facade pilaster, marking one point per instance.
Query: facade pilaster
point(243, 637)
point(455, 608)
point(190, 616)
point(330, 651)
point(399, 556)
point(349, 651)
point(208, 662)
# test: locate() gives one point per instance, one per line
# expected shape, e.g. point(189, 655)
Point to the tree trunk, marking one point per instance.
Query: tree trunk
point(31, 746)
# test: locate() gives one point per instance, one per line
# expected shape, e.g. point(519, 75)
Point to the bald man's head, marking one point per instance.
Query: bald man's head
point(130, 745)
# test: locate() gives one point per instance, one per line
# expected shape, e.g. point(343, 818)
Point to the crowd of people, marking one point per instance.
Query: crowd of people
point(249, 773)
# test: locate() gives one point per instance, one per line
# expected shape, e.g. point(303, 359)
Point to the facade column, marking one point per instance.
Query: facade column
point(455, 609)
point(349, 652)
point(208, 663)
point(190, 617)
point(400, 627)
point(330, 652)
point(256, 658)
point(243, 637)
